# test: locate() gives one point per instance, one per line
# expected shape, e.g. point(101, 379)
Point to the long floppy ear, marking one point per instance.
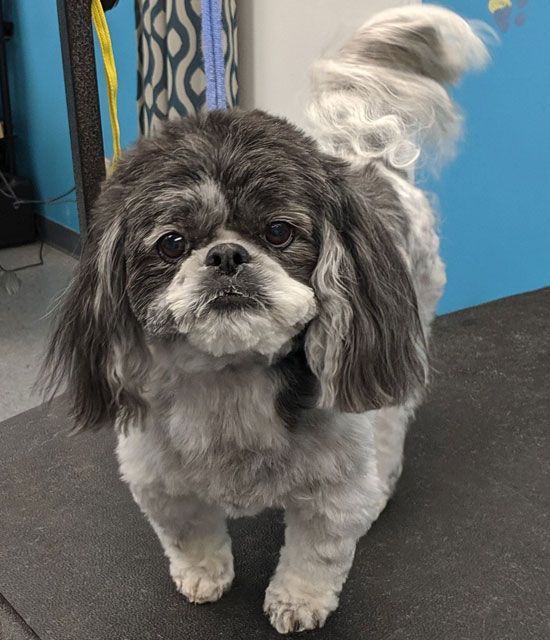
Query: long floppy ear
point(97, 346)
point(366, 346)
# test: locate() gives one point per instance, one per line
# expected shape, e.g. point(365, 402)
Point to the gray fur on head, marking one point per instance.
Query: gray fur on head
point(341, 287)
point(260, 304)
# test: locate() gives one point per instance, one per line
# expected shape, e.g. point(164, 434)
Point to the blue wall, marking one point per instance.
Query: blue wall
point(495, 198)
point(38, 104)
point(38, 97)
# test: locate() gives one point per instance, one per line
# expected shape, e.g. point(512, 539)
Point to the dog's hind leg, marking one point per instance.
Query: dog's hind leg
point(390, 429)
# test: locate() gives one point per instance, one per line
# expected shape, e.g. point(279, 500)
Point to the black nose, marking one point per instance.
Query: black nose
point(227, 257)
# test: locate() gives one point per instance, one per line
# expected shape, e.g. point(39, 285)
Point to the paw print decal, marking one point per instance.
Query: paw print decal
point(502, 13)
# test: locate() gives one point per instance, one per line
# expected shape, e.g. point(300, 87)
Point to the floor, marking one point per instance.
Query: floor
point(460, 552)
point(25, 319)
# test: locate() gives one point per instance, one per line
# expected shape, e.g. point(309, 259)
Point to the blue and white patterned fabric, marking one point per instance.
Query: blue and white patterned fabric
point(171, 79)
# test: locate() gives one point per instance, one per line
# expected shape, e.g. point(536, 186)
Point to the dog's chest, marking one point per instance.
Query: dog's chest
point(232, 443)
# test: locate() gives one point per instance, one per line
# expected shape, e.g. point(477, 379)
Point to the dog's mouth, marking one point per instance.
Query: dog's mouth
point(233, 299)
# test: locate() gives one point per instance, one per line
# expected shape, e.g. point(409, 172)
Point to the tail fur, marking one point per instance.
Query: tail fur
point(384, 95)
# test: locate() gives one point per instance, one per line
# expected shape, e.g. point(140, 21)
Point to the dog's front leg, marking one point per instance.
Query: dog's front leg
point(320, 541)
point(195, 540)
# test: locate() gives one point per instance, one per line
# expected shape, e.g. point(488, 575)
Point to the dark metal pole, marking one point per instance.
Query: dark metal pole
point(77, 48)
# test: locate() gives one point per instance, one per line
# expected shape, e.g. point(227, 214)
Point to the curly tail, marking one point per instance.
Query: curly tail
point(383, 96)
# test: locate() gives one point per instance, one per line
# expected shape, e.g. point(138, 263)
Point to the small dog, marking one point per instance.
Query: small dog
point(252, 311)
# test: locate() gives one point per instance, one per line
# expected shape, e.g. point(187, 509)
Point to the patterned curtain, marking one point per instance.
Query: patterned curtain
point(171, 80)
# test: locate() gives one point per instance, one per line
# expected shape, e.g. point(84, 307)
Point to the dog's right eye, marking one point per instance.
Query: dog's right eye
point(279, 234)
point(171, 246)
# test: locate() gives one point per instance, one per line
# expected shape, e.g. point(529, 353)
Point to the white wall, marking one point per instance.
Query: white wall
point(279, 39)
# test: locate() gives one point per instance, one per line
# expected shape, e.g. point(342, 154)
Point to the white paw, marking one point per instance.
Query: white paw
point(297, 610)
point(205, 582)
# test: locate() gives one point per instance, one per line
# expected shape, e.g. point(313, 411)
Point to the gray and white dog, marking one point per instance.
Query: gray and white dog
point(252, 311)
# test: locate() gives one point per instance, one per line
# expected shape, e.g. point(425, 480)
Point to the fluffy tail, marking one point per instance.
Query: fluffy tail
point(383, 96)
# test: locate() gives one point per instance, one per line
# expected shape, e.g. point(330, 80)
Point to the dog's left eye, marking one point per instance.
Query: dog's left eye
point(279, 234)
point(171, 246)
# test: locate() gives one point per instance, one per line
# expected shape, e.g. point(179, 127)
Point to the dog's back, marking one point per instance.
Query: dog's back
point(383, 99)
point(382, 103)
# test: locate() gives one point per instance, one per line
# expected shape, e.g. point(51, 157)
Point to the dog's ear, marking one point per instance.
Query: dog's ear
point(366, 346)
point(97, 346)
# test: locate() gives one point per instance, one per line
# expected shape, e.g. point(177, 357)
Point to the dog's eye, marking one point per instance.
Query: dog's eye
point(171, 246)
point(279, 233)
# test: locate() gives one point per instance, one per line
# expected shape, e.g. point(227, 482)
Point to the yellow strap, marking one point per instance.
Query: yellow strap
point(102, 30)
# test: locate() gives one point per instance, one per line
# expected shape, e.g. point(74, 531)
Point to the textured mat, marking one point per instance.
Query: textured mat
point(460, 552)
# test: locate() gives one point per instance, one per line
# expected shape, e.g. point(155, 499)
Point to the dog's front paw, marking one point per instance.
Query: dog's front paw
point(206, 581)
point(298, 608)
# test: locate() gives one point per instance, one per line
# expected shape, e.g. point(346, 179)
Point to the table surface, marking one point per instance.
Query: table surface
point(461, 551)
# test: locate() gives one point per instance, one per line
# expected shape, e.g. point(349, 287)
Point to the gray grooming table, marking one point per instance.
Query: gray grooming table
point(461, 552)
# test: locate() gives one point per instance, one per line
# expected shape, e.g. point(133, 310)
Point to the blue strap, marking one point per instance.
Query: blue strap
point(214, 68)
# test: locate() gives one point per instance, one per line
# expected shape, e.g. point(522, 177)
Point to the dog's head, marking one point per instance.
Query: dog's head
point(233, 233)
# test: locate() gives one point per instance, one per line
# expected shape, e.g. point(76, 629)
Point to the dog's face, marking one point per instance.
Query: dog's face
point(234, 233)
point(222, 234)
